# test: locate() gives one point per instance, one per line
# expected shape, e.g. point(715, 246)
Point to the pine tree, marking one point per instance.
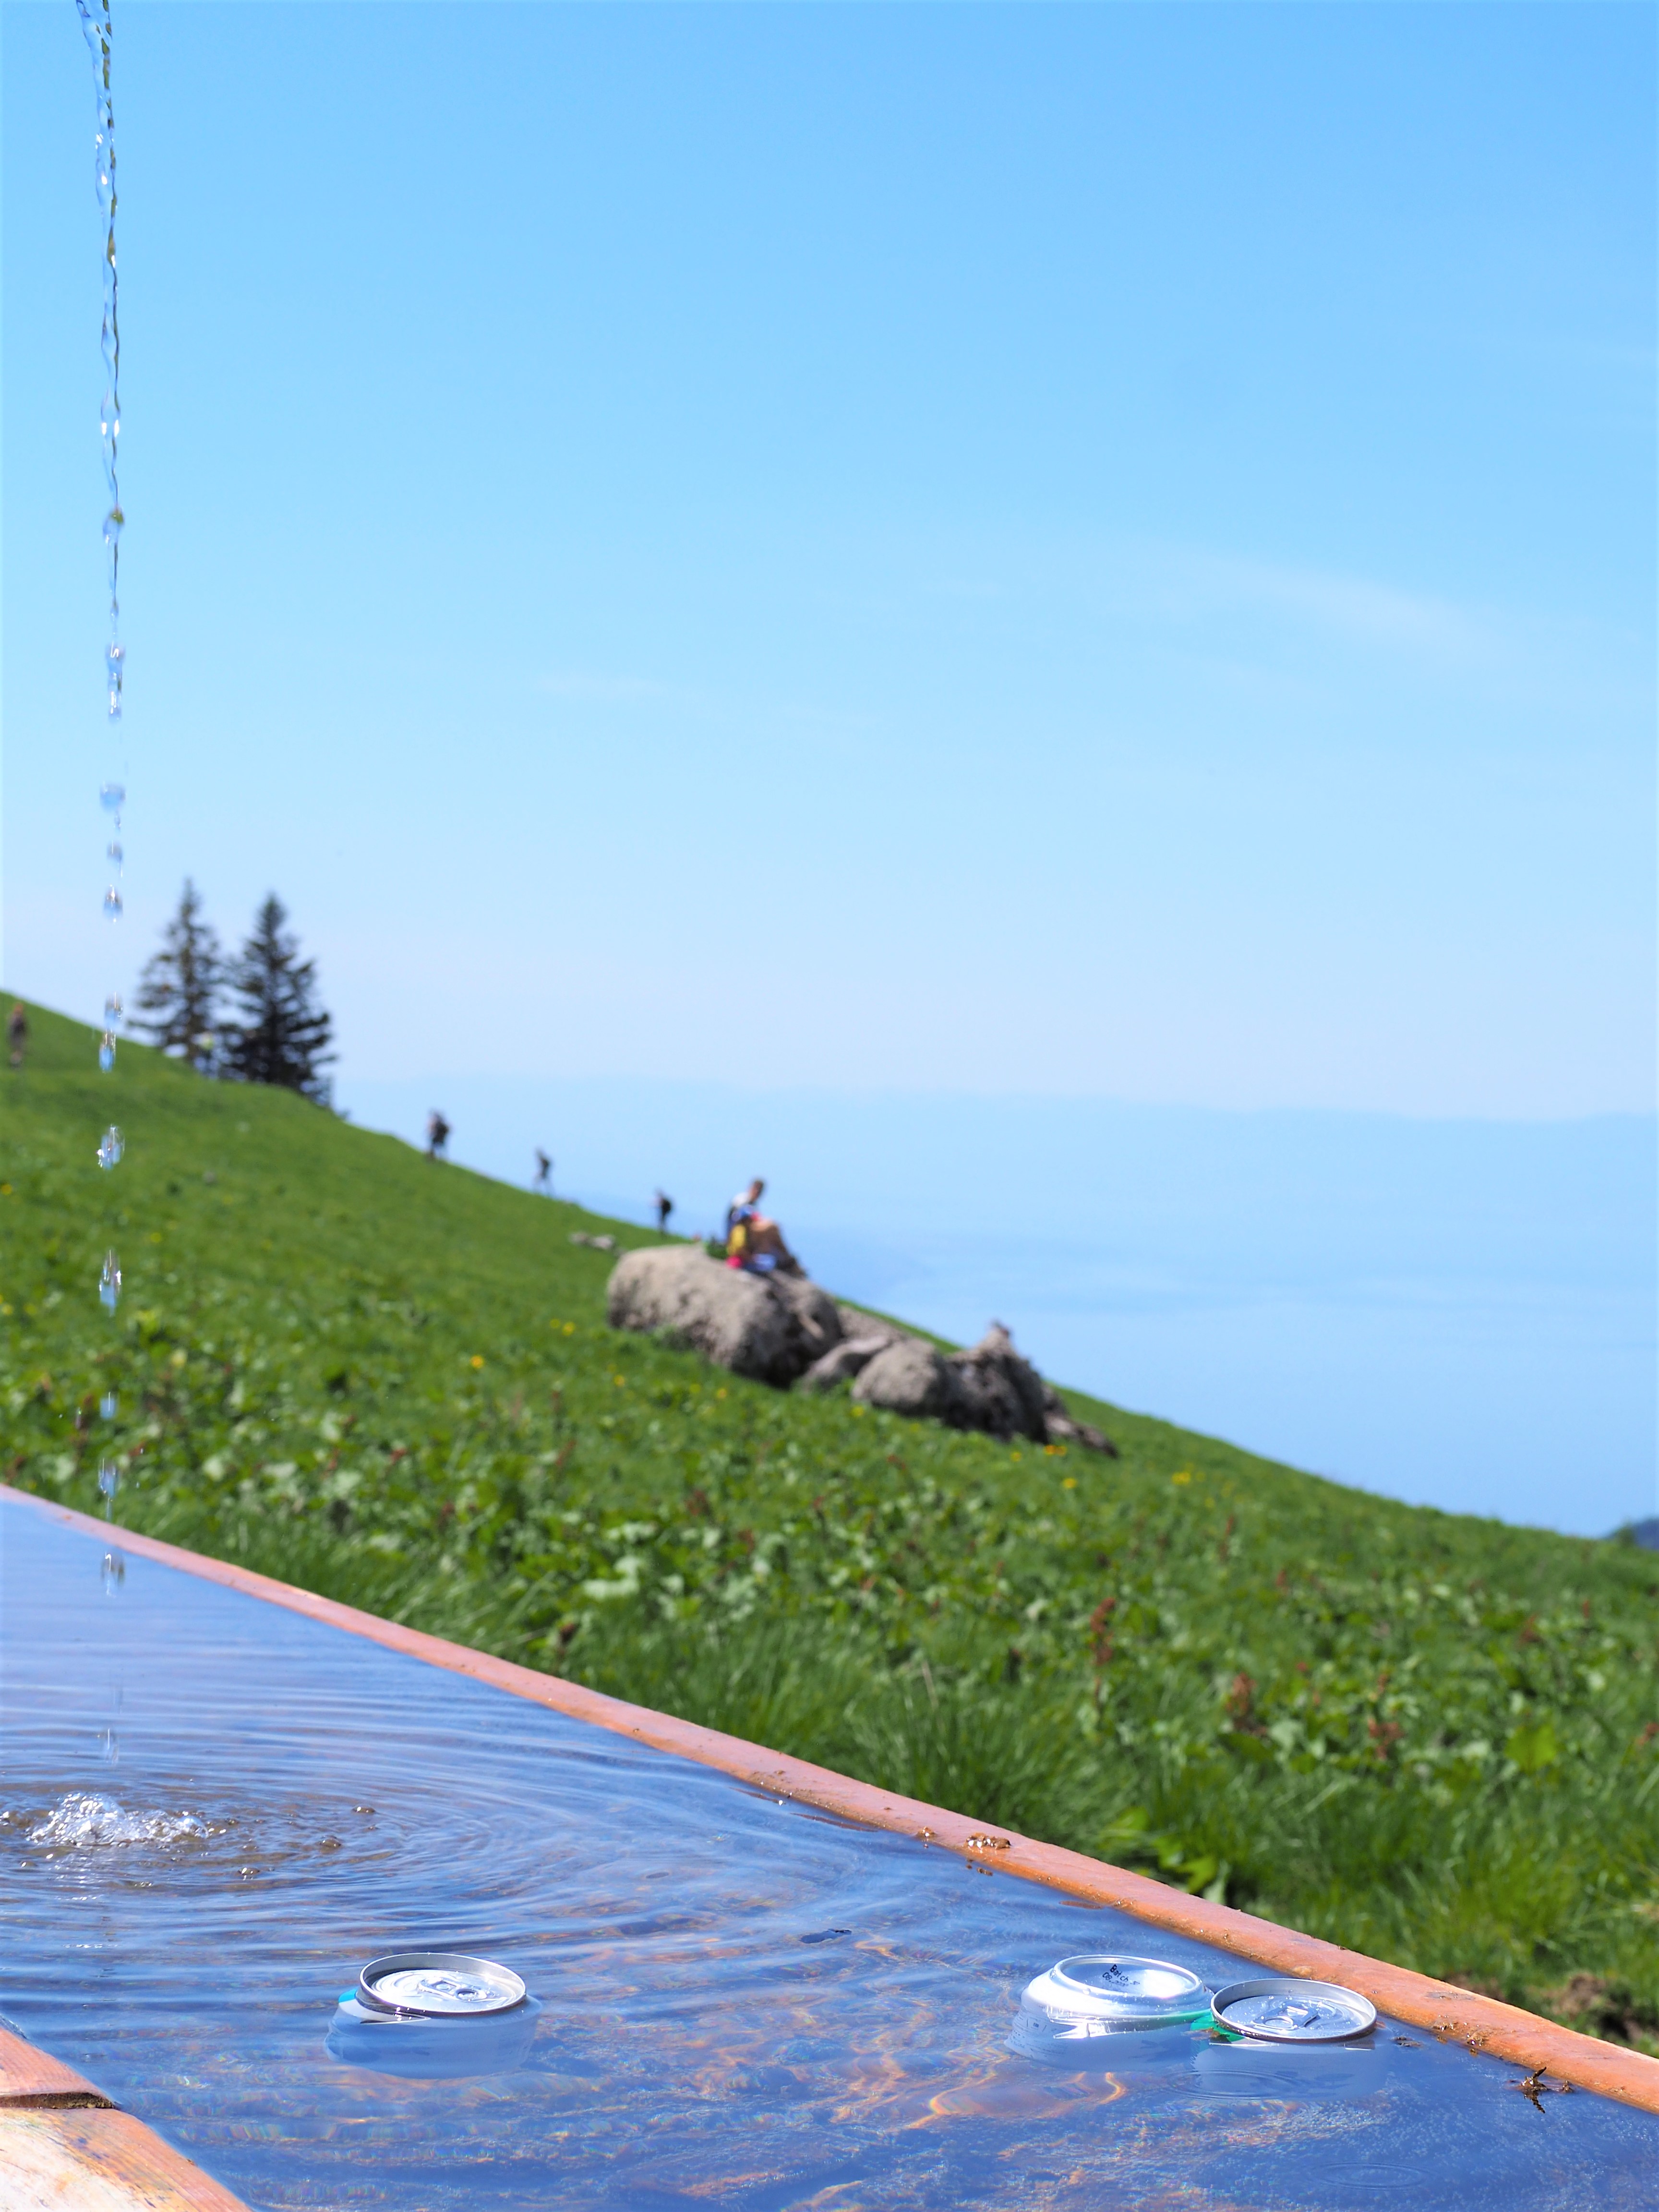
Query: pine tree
point(281, 1033)
point(178, 991)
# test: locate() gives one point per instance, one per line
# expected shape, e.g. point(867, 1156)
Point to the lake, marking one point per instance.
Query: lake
point(1460, 1314)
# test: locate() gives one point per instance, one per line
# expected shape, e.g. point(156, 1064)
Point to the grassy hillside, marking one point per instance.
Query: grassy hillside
point(1432, 1737)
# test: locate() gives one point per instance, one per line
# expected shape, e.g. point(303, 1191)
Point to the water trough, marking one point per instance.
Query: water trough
point(758, 1984)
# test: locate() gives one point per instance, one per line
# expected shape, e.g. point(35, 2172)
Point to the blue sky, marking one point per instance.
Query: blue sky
point(1105, 551)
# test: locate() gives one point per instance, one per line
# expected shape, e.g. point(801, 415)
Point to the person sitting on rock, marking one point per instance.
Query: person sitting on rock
point(754, 1243)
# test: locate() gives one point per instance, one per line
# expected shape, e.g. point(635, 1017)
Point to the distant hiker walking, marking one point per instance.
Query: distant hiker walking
point(543, 1173)
point(17, 1033)
point(664, 1208)
point(437, 1136)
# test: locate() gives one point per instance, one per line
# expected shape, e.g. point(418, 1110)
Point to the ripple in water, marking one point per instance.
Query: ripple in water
point(696, 2048)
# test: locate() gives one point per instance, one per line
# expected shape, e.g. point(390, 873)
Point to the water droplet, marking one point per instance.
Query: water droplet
point(112, 796)
point(113, 852)
point(109, 1283)
point(112, 1010)
point(106, 1051)
point(115, 655)
point(114, 523)
point(109, 1744)
point(109, 1477)
point(108, 1405)
point(111, 1148)
point(114, 908)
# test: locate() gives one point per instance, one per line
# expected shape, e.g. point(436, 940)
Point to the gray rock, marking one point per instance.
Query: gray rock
point(847, 1358)
point(1063, 1428)
point(856, 1326)
point(783, 1329)
point(909, 1377)
point(998, 1391)
point(771, 1327)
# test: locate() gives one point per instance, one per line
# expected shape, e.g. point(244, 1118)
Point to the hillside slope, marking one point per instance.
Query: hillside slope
point(391, 1381)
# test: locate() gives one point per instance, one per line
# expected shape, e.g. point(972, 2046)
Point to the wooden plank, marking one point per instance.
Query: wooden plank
point(26, 2074)
point(1483, 2024)
point(98, 2161)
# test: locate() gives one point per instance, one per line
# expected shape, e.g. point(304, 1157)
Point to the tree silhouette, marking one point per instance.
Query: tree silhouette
point(281, 1035)
point(178, 991)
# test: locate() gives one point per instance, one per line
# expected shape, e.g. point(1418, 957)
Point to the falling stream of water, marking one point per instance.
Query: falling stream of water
point(112, 1146)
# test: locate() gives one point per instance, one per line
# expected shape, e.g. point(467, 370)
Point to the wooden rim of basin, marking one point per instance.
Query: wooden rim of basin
point(63, 2142)
point(1454, 2015)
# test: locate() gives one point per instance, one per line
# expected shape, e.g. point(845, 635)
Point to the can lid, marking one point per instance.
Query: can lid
point(1279, 2009)
point(1119, 1991)
point(440, 1984)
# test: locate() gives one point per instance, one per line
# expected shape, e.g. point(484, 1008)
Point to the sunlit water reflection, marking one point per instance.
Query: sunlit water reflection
point(746, 2004)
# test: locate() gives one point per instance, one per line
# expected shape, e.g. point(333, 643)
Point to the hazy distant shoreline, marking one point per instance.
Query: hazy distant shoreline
point(1456, 1313)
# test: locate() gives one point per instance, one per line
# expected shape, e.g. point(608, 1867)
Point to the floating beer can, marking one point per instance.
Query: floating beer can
point(1099, 2010)
point(439, 1985)
point(1308, 2042)
point(1278, 2008)
point(435, 2015)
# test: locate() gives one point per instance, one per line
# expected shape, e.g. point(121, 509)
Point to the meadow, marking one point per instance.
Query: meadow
point(389, 1380)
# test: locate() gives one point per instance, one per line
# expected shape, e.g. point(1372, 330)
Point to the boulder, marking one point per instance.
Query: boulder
point(856, 1327)
point(1063, 1428)
point(847, 1358)
point(783, 1329)
point(770, 1327)
point(909, 1377)
point(998, 1391)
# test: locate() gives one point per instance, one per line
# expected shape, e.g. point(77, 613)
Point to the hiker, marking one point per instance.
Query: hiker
point(754, 1243)
point(543, 1172)
point(664, 1208)
point(742, 1207)
point(437, 1135)
point(17, 1032)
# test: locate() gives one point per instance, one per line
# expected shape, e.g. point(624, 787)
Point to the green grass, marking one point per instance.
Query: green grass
point(1431, 1737)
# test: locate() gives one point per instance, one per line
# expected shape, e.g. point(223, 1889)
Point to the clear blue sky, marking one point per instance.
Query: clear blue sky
point(1104, 550)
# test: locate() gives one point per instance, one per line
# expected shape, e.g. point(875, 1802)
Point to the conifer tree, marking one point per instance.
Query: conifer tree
point(281, 1034)
point(178, 991)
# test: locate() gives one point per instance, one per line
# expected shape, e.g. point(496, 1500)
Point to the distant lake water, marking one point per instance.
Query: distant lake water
point(1459, 1314)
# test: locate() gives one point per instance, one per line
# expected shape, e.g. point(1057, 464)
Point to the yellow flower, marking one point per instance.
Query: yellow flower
point(1070, 1483)
point(478, 1359)
point(1184, 1474)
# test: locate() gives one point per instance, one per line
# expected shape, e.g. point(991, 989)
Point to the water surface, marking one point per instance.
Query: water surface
point(746, 2003)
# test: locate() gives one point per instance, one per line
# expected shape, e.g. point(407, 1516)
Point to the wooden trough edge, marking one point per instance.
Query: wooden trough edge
point(1482, 2023)
point(63, 2142)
